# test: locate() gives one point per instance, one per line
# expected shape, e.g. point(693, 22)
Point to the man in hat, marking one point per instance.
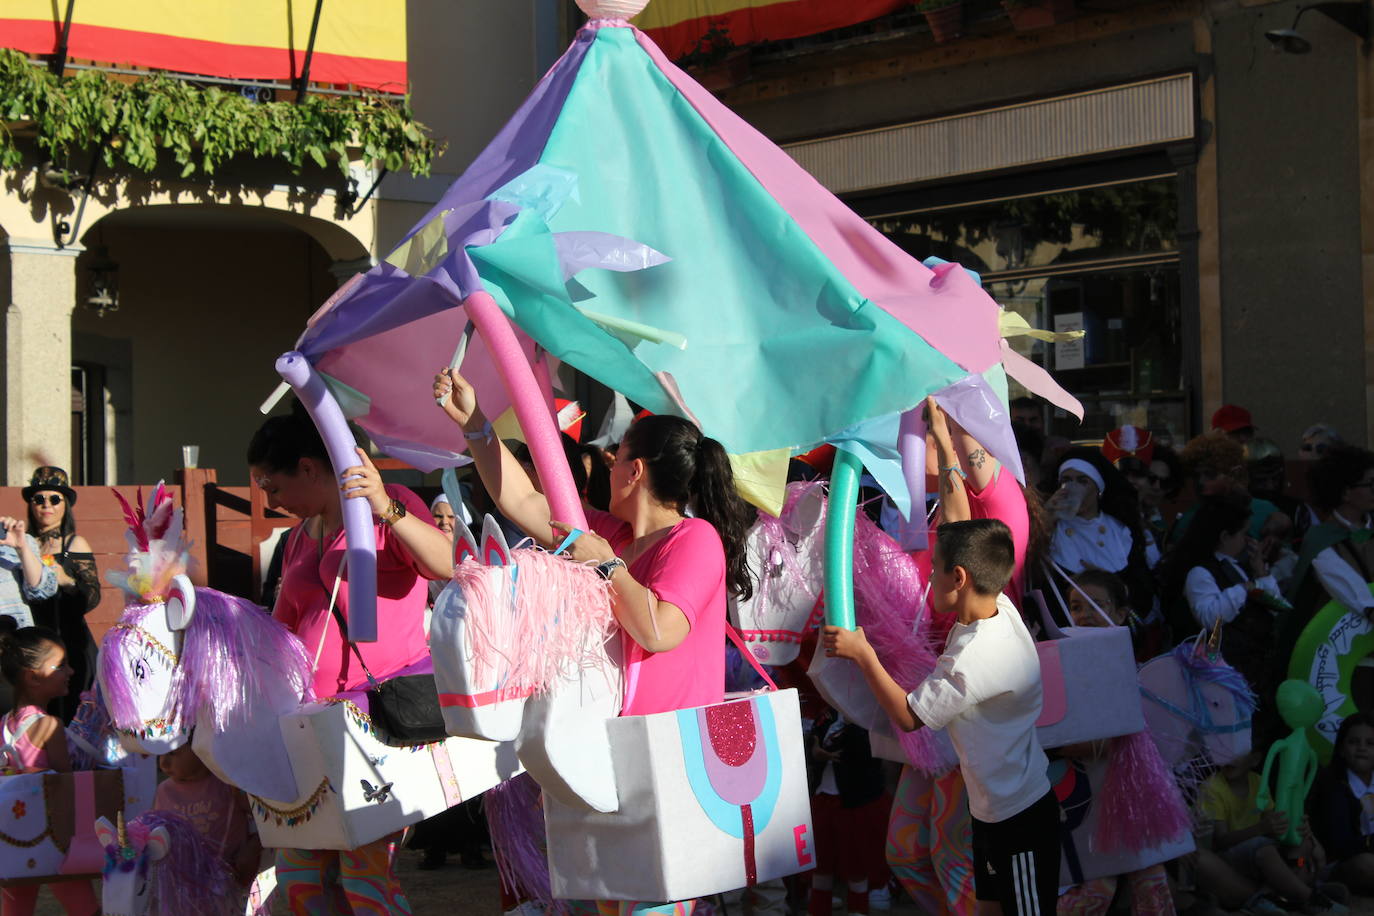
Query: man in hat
point(1235, 421)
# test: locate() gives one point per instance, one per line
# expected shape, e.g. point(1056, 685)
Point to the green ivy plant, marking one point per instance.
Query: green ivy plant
point(711, 48)
point(136, 124)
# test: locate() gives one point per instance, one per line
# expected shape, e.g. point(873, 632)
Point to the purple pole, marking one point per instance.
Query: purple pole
point(911, 445)
point(357, 514)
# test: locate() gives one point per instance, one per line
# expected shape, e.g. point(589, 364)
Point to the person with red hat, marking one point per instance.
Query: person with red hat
point(1235, 421)
point(1129, 442)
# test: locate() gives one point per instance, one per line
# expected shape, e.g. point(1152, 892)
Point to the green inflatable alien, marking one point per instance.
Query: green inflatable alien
point(1300, 706)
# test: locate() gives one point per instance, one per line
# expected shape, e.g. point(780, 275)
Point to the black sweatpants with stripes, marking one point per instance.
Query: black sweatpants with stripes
point(1016, 861)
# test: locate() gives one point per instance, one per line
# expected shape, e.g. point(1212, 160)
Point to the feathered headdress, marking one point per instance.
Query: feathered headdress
point(157, 548)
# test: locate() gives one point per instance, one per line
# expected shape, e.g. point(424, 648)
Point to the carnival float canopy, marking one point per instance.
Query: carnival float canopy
point(632, 226)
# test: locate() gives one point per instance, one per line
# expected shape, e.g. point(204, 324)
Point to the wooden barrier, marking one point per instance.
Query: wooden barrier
point(223, 528)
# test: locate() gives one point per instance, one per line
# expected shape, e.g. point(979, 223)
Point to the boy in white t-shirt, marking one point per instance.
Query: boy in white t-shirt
point(986, 692)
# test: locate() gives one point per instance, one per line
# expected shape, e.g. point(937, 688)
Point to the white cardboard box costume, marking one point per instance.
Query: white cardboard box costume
point(370, 789)
point(475, 703)
point(47, 820)
point(712, 799)
point(1091, 688)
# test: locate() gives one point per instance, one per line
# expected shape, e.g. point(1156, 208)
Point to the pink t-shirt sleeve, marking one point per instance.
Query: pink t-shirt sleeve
point(1003, 500)
point(618, 533)
point(688, 569)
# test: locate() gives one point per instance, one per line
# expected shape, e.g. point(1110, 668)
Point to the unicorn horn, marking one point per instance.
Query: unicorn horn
point(121, 834)
point(1214, 641)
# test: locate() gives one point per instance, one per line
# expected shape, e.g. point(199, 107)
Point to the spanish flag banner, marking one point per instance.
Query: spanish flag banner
point(677, 25)
point(359, 42)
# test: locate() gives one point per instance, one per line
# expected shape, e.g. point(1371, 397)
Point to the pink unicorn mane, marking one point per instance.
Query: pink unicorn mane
point(543, 628)
point(191, 878)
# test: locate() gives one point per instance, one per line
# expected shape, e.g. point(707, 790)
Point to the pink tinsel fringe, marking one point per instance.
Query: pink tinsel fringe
point(1140, 802)
point(888, 595)
point(550, 624)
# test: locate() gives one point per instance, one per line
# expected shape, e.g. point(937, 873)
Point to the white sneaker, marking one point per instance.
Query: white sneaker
point(880, 898)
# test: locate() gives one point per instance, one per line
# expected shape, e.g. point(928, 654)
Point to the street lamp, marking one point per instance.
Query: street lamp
point(104, 274)
point(1352, 14)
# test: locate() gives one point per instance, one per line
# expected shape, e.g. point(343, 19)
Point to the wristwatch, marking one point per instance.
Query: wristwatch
point(607, 569)
point(394, 512)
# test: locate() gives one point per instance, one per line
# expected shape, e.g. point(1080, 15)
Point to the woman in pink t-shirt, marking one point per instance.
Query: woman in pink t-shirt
point(289, 463)
point(670, 573)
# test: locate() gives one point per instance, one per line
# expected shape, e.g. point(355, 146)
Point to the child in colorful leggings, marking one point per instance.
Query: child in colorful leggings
point(930, 842)
point(361, 881)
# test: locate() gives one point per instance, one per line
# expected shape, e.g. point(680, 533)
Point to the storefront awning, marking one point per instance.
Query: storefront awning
point(359, 42)
point(678, 25)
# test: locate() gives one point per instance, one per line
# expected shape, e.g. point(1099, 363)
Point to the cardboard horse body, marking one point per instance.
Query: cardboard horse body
point(515, 636)
point(317, 774)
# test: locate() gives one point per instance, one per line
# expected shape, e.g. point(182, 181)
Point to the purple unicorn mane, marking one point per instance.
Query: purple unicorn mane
point(122, 644)
point(230, 652)
point(191, 878)
point(1200, 666)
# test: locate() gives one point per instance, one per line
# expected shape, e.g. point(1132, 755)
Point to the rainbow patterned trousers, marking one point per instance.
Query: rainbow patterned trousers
point(356, 882)
point(930, 842)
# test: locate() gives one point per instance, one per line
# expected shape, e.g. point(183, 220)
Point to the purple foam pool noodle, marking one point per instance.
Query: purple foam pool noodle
point(315, 396)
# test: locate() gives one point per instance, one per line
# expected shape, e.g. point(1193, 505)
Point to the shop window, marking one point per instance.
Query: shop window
point(1102, 258)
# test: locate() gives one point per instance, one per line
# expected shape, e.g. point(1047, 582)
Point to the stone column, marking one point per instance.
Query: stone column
point(38, 291)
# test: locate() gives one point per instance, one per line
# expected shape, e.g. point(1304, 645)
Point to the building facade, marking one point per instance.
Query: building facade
point(1155, 173)
point(147, 314)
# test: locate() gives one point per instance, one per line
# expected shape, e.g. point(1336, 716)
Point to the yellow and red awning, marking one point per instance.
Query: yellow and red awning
point(360, 42)
point(677, 25)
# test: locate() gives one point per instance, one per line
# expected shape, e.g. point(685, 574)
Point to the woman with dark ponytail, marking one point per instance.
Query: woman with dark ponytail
point(672, 544)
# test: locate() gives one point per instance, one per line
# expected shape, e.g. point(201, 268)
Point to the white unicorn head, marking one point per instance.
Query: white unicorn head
point(159, 865)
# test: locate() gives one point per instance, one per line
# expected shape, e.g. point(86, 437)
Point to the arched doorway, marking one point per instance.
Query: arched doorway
point(181, 311)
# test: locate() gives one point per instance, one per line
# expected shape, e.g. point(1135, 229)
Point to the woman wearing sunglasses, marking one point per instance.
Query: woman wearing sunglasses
point(50, 499)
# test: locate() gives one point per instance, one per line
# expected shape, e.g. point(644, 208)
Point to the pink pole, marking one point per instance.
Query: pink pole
point(545, 382)
point(531, 409)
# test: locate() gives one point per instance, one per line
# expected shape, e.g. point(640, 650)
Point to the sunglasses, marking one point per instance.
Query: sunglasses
point(51, 499)
point(1318, 447)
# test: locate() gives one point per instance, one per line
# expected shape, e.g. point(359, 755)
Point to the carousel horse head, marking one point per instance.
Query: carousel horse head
point(787, 552)
point(178, 650)
point(198, 651)
point(1196, 703)
point(159, 865)
point(513, 623)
